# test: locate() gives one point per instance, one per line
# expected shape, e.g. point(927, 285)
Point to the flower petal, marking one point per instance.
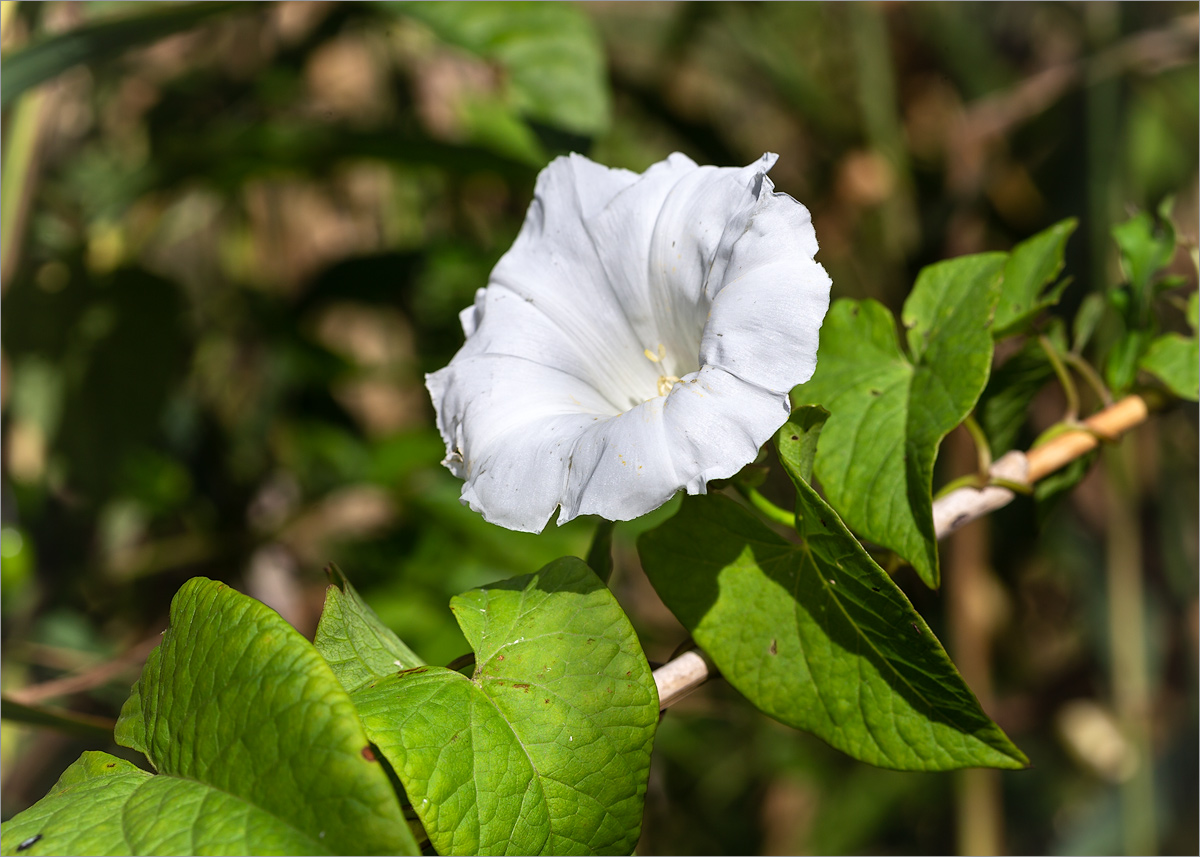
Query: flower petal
point(767, 312)
point(509, 425)
point(709, 426)
point(617, 285)
point(554, 266)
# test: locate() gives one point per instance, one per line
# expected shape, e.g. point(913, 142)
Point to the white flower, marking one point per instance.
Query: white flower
point(640, 336)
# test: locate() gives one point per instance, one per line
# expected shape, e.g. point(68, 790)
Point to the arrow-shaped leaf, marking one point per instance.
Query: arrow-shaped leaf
point(889, 413)
point(818, 636)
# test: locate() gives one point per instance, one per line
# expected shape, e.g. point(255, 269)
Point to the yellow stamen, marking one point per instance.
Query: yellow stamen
point(656, 358)
point(665, 383)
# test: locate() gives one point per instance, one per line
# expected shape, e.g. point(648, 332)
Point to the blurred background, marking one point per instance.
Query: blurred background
point(235, 237)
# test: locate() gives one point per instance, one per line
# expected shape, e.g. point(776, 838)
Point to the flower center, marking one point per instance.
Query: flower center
point(665, 382)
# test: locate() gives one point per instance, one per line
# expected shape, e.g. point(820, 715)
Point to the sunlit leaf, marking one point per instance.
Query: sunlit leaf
point(257, 746)
point(1031, 267)
point(889, 413)
point(354, 641)
point(546, 748)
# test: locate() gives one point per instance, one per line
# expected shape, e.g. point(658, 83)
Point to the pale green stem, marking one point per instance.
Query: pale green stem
point(775, 513)
point(1090, 375)
point(1064, 378)
point(983, 449)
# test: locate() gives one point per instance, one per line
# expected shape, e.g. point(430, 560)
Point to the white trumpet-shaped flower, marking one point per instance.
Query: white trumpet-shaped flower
point(640, 336)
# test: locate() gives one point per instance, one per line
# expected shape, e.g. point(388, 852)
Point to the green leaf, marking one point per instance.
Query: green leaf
point(1120, 369)
point(1032, 265)
point(797, 440)
point(353, 640)
point(82, 813)
point(1091, 310)
point(257, 745)
point(1048, 491)
point(1146, 248)
point(888, 414)
point(92, 43)
point(599, 555)
point(546, 749)
point(1004, 405)
point(104, 805)
point(1175, 360)
point(817, 636)
point(551, 54)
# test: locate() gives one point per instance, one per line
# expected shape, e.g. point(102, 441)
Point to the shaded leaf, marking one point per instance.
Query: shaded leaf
point(103, 40)
point(817, 636)
point(254, 732)
point(1091, 310)
point(1004, 404)
point(1145, 247)
point(1175, 360)
point(888, 414)
point(1120, 368)
point(551, 53)
point(1032, 265)
point(797, 440)
point(1048, 491)
point(599, 556)
point(546, 748)
point(353, 640)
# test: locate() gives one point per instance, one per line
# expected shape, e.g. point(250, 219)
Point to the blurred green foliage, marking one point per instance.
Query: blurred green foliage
point(231, 252)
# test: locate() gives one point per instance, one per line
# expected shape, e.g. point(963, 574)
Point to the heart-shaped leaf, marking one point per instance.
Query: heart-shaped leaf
point(545, 749)
point(251, 732)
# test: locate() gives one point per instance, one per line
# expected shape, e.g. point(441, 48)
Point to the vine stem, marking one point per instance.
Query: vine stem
point(680, 676)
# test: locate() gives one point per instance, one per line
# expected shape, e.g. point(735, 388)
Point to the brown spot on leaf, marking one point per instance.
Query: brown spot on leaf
point(915, 628)
point(523, 687)
point(774, 648)
point(368, 753)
